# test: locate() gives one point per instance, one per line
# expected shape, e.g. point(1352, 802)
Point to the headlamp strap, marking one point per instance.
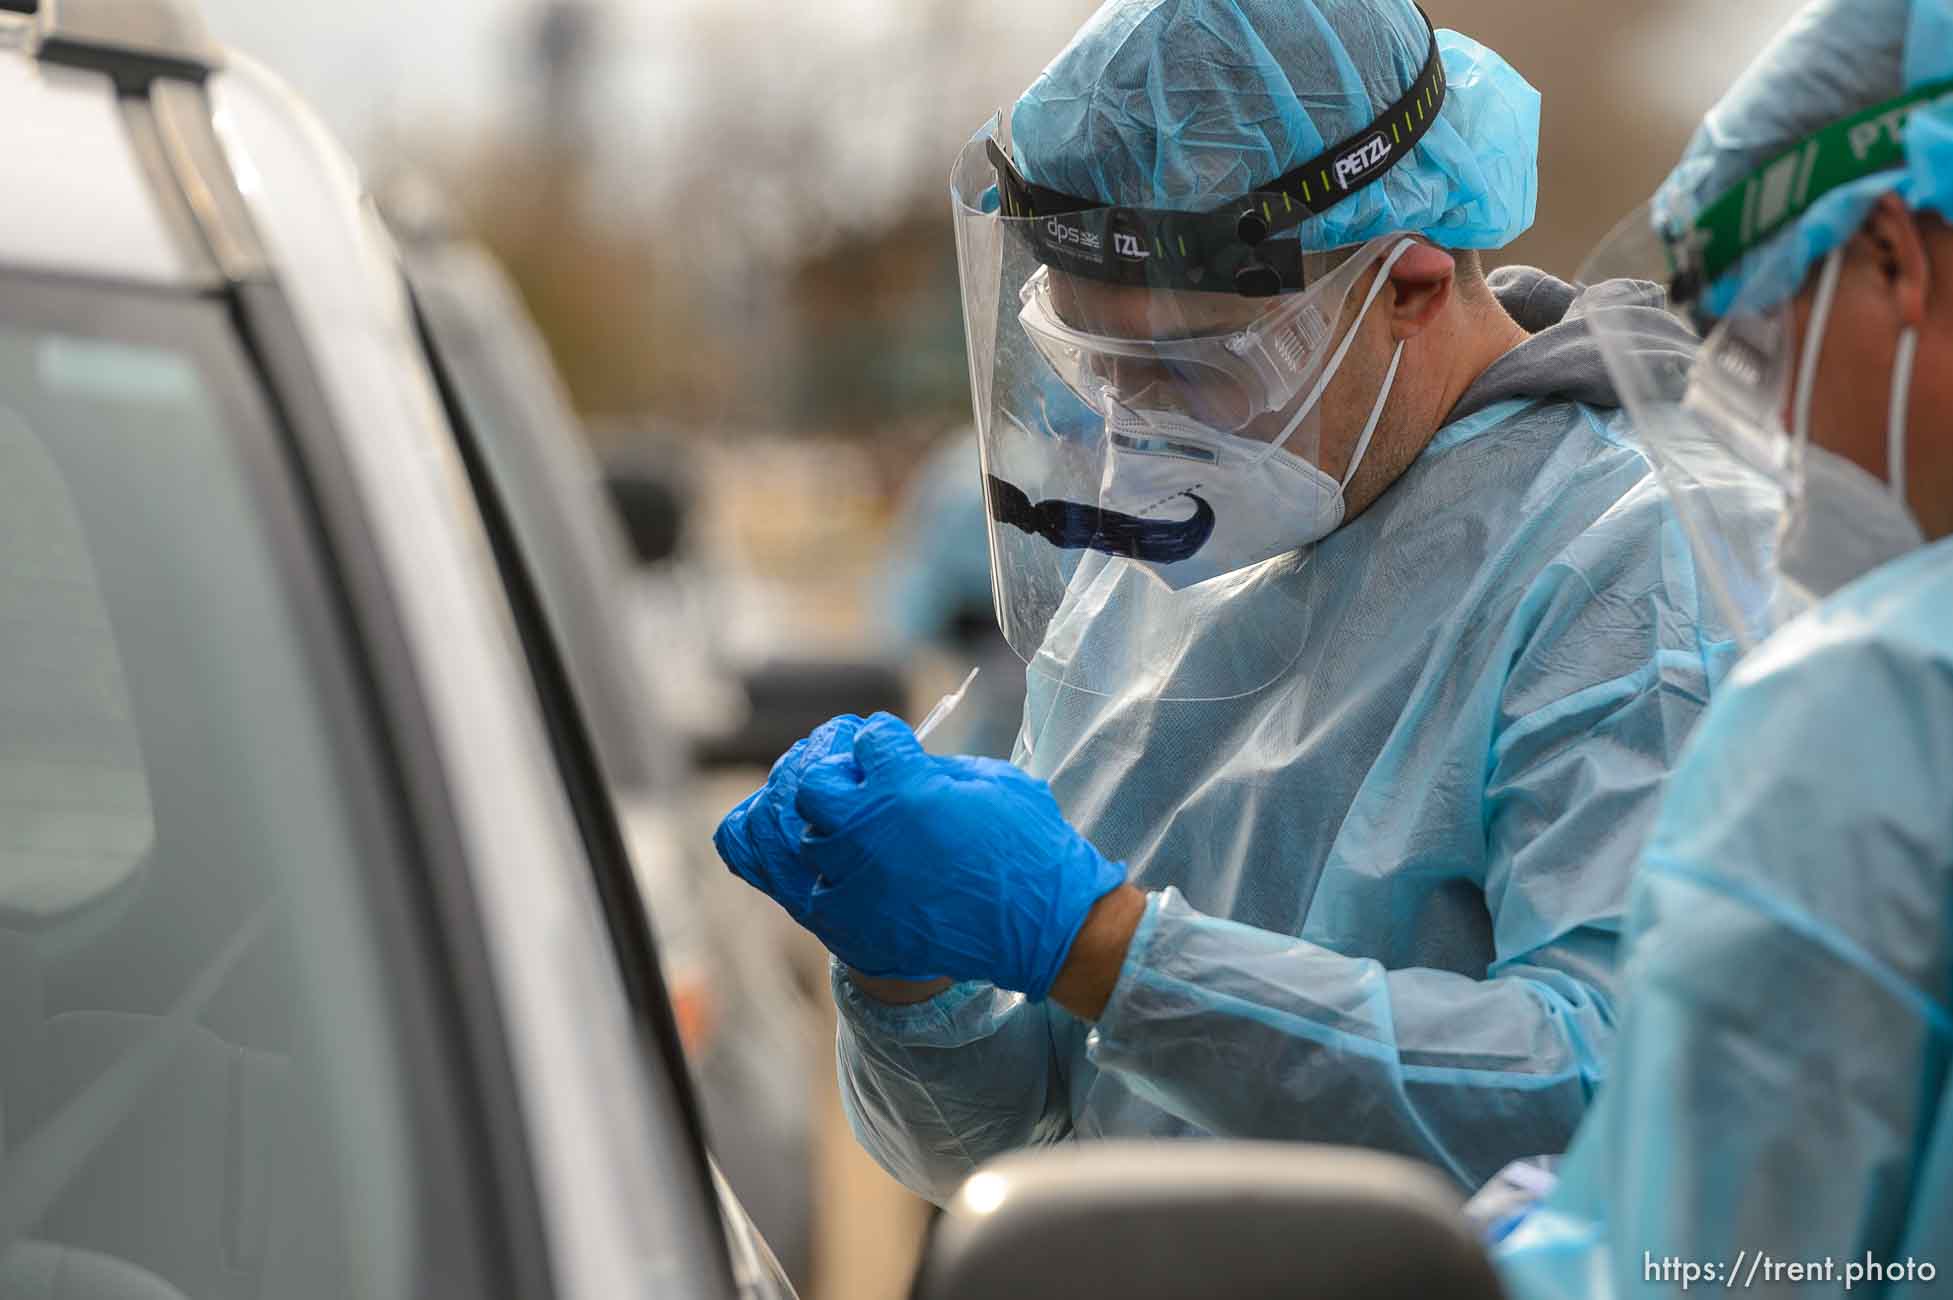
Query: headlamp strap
point(1222, 249)
point(1775, 195)
point(1333, 175)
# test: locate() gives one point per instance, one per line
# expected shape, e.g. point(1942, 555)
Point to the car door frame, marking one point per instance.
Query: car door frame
point(584, 783)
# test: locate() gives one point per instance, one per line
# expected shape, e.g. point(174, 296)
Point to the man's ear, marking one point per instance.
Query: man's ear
point(1891, 238)
point(1421, 284)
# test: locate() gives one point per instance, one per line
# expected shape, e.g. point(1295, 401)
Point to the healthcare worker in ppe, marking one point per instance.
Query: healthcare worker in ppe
point(1359, 637)
point(1780, 1091)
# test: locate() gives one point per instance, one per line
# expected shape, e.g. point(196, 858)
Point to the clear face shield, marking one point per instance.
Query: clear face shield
point(1714, 423)
point(1153, 451)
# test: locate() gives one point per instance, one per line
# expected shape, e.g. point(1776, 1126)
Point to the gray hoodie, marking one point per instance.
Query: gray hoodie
point(1563, 358)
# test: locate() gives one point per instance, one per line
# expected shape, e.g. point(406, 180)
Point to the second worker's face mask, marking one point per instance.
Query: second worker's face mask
point(1842, 522)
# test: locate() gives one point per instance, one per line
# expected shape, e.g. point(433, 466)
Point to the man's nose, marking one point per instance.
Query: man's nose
point(1137, 375)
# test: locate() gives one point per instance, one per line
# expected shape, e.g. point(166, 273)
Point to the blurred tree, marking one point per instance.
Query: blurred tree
point(882, 319)
point(613, 299)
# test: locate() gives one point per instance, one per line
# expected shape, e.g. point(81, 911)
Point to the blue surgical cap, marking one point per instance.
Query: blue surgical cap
point(1184, 104)
point(1835, 59)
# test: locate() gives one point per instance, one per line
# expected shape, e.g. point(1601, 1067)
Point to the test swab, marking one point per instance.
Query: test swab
point(946, 706)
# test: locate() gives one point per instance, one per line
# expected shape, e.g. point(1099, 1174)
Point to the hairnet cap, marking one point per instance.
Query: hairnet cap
point(1184, 104)
point(1835, 58)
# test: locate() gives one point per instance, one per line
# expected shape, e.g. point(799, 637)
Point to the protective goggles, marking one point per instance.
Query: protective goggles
point(1162, 352)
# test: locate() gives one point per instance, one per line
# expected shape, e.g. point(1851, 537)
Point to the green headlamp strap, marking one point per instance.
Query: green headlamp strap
point(1780, 191)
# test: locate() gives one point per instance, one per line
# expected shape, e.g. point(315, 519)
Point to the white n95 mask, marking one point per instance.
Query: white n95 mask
point(1842, 522)
point(1235, 501)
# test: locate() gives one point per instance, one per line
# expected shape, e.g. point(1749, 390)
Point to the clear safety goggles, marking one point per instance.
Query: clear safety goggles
point(1228, 362)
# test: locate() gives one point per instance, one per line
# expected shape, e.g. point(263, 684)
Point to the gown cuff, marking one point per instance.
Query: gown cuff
point(961, 1013)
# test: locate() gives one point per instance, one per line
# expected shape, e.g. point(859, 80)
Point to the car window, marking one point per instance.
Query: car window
point(202, 1092)
point(515, 424)
point(528, 572)
point(509, 397)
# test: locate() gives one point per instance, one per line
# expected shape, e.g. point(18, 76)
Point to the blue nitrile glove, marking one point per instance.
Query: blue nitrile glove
point(930, 866)
point(760, 839)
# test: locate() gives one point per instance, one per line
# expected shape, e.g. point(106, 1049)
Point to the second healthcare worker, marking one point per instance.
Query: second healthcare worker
point(1779, 1118)
point(1360, 638)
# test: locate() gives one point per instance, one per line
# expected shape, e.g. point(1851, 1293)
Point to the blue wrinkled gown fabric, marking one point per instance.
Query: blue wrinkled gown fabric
point(1781, 1084)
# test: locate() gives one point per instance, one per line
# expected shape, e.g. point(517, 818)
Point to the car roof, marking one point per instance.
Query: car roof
point(133, 149)
point(78, 201)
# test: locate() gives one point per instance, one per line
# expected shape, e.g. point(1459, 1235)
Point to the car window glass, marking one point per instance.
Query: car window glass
point(523, 428)
point(198, 1097)
point(75, 817)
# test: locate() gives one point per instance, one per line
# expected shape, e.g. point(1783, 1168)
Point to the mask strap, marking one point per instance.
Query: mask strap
point(1342, 351)
point(1827, 293)
point(1895, 434)
point(1376, 414)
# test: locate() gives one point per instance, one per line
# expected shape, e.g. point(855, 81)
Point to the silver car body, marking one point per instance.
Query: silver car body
point(80, 167)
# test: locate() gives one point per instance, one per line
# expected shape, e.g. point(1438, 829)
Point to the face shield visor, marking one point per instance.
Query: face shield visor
point(1776, 521)
point(1154, 457)
point(1149, 389)
point(1713, 420)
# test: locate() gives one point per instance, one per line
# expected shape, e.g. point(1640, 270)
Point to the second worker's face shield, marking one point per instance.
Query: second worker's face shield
point(1775, 517)
point(1726, 428)
point(1158, 459)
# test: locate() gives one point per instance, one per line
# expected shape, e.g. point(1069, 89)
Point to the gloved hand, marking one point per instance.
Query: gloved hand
point(760, 839)
point(928, 866)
